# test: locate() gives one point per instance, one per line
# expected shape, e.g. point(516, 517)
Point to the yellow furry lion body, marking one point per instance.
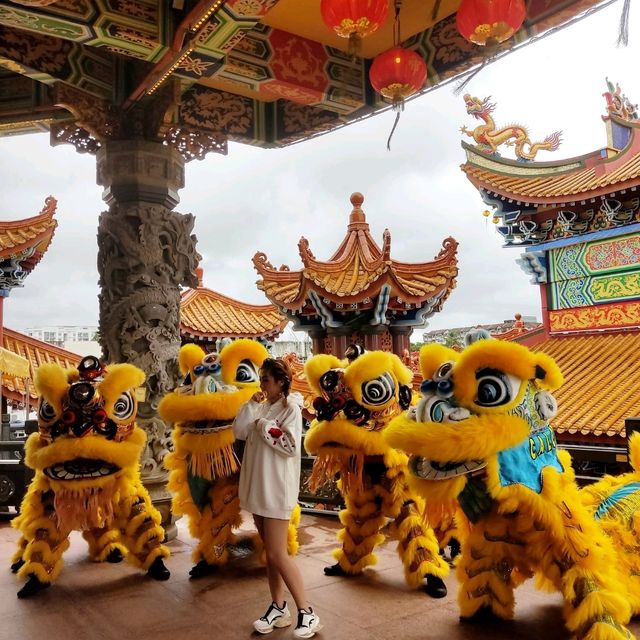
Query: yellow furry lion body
point(480, 436)
point(354, 405)
point(86, 457)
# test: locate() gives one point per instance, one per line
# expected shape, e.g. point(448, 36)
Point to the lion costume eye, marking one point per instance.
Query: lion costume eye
point(246, 373)
point(495, 388)
point(124, 407)
point(378, 391)
point(431, 408)
point(46, 411)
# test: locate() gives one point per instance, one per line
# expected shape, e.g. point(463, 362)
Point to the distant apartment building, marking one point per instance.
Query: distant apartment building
point(60, 335)
point(77, 339)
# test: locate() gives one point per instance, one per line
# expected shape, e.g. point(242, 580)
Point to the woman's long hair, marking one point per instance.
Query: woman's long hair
point(279, 370)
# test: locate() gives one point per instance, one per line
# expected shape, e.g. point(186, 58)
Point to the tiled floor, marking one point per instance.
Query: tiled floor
point(116, 602)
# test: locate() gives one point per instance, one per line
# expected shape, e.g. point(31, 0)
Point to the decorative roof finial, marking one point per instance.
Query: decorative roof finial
point(357, 214)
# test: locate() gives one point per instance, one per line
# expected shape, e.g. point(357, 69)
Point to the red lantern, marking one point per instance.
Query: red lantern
point(354, 19)
point(397, 74)
point(490, 22)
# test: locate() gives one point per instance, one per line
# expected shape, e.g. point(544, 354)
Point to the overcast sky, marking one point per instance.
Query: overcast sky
point(265, 200)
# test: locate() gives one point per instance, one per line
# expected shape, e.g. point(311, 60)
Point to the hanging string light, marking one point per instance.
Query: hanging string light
point(354, 19)
point(397, 73)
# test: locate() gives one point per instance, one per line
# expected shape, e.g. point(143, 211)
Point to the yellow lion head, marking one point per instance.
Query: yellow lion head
point(355, 403)
point(490, 402)
point(86, 423)
point(214, 385)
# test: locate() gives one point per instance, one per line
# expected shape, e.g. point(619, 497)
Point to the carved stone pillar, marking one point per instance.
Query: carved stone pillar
point(145, 252)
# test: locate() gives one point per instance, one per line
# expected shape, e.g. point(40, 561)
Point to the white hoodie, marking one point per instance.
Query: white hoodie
point(270, 471)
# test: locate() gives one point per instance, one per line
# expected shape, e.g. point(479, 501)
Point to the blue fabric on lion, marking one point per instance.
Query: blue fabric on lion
point(524, 463)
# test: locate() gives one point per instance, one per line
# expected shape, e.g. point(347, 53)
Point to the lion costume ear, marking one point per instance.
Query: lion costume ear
point(547, 373)
point(434, 355)
point(235, 352)
point(403, 374)
point(318, 365)
point(51, 383)
point(189, 356)
point(119, 378)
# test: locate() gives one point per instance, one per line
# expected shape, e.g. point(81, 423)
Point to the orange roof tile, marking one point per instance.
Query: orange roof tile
point(207, 314)
point(601, 382)
point(37, 353)
point(358, 264)
point(587, 176)
point(18, 235)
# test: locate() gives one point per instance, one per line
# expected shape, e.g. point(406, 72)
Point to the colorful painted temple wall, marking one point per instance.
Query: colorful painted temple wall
point(595, 285)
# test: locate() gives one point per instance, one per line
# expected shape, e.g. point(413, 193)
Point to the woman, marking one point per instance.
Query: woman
point(271, 424)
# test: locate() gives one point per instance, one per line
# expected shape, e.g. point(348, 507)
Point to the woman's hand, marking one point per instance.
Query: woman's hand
point(258, 396)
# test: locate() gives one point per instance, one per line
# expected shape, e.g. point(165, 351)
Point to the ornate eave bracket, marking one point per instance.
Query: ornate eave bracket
point(323, 311)
point(382, 304)
point(534, 264)
point(97, 121)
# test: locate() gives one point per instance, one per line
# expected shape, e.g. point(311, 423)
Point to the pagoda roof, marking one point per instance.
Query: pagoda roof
point(207, 314)
point(358, 269)
point(18, 236)
point(36, 352)
point(600, 385)
point(599, 173)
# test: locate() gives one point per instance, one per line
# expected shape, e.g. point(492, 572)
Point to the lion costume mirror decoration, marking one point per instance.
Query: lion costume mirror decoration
point(481, 436)
point(86, 458)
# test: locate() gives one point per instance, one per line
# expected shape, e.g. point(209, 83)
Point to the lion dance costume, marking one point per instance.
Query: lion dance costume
point(204, 468)
point(86, 459)
point(354, 405)
point(614, 502)
point(481, 436)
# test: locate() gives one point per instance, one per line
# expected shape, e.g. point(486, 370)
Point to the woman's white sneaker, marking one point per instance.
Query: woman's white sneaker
point(274, 617)
point(308, 624)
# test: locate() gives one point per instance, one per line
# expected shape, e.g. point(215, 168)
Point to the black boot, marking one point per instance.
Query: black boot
point(115, 556)
point(335, 570)
point(483, 615)
point(158, 571)
point(32, 586)
point(435, 587)
point(203, 568)
point(16, 566)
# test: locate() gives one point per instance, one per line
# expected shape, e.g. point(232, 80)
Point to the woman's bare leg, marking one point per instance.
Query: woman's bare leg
point(281, 567)
point(276, 585)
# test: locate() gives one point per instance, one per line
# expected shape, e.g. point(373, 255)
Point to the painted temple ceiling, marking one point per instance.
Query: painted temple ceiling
point(260, 72)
